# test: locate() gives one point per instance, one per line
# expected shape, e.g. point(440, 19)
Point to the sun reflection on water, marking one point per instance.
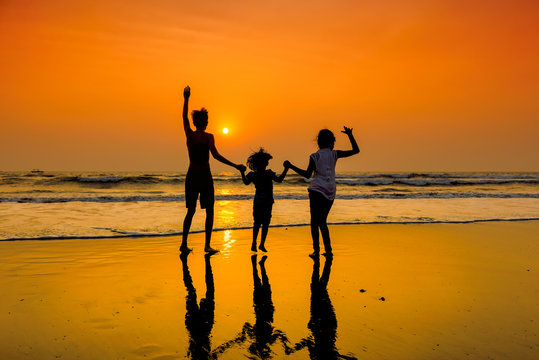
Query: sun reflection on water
point(228, 242)
point(224, 192)
point(226, 213)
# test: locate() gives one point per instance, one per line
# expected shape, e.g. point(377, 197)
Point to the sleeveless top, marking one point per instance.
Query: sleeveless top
point(324, 172)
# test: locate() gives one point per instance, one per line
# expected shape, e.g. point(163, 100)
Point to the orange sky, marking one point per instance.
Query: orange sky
point(426, 85)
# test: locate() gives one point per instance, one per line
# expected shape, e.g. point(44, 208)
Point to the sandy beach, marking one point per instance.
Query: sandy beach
point(431, 291)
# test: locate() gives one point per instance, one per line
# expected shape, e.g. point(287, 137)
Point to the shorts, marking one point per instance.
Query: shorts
point(262, 212)
point(200, 182)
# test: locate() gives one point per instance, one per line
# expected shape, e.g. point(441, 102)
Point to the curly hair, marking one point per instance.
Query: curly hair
point(200, 117)
point(258, 159)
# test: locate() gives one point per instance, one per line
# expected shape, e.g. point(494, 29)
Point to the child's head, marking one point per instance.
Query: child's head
point(200, 118)
point(259, 160)
point(325, 139)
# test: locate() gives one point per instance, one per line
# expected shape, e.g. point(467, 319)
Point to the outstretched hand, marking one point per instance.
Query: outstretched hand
point(186, 92)
point(347, 131)
point(241, 168)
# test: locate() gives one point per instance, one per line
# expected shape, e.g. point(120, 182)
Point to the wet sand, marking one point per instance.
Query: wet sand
point(432, 291)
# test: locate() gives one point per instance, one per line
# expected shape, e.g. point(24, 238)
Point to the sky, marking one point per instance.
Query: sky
point(426, 85)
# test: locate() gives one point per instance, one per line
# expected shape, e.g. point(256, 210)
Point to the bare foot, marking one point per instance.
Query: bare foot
point(185, 249)
point(210, 250)
point(253, 247)
point(263, 260)
point(261, 247)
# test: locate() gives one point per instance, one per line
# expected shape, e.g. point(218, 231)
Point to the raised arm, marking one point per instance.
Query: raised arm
point(220, 157)
point(355, 148)
point(305, 173)
point(280, 178)
point(186, 95)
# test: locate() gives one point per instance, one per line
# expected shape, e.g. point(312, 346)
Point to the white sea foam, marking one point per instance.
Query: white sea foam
point(133, 234)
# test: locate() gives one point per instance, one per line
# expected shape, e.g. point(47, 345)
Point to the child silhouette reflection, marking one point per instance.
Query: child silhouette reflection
point(262, 335)
point(199, 318)
point(323, 321)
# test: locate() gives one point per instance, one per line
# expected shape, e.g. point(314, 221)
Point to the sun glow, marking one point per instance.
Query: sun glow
point(225, 130)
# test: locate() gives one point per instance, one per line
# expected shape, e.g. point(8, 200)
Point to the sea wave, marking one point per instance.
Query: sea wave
point(295, 196)
point(349, 179)
point(295, 180)
point(128, 180)
point(433, 182)
point(411, 175)
point(133, 234)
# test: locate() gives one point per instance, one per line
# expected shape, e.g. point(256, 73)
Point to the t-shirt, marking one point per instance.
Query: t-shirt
point(263, 181)
point(324, 172)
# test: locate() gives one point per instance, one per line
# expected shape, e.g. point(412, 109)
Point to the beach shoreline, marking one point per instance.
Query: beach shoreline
point(439, 291)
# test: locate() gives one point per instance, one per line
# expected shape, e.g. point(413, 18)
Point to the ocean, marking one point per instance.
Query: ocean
point(69, 205)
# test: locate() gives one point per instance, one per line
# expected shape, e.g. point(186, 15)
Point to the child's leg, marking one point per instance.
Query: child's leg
point(324, 230)
point(315, 235)
point(265, 227)
point(186, 227)
point(314, 206)
point(209, 229)
point(256, 228)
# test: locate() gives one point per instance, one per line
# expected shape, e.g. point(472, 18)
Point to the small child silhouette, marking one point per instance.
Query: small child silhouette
point(263, 202)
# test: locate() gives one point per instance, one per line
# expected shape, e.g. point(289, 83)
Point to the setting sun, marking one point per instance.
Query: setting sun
point(225, 130)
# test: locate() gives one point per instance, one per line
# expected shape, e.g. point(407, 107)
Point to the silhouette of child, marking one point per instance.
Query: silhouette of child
point(323, 188)
point(199, 179)
point(263, 202)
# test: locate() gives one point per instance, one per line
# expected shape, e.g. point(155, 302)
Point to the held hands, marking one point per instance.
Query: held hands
point(347, 131)
point(241, 168)
point(186, 92)
point(287, 164)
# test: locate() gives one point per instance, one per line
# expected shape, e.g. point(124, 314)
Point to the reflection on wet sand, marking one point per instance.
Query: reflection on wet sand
point(199, 319)
point(262, 335)
point(323, 323)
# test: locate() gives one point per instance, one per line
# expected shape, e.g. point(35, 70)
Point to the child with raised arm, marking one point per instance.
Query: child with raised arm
point(262, 205)
point(199, 179)
point(323, 188)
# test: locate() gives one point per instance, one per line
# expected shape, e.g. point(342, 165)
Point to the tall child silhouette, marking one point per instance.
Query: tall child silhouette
point(262, 205)
point(199, 179)
point(323, 188)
